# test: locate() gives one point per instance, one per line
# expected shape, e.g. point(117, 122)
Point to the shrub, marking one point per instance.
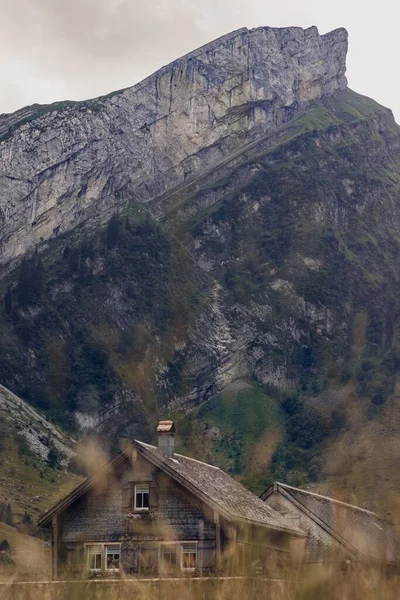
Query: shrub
point(54, 458)
point(5, 546)
point(30, 286)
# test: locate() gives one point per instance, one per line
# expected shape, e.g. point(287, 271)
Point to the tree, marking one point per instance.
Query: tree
point(5, 546)
point(112, 232)
point(54, 458)
point(75, 465)
point(8, 301)
point(5, 554)
point(27, 519)
point(31, 280)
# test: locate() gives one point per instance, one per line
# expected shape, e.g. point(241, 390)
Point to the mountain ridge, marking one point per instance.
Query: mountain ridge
point(56, 170)
point(208, 46)
point(268, 258)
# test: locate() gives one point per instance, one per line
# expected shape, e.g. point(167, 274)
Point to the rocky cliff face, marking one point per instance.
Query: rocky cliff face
point(255, 254)
point(71, 163)
point(38, 433)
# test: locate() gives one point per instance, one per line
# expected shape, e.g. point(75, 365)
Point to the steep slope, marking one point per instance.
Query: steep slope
point(256, 246)
point(118, 319)
point(303, 233)
point(28, 484)
point(30, 556)
point(37, 431)
point(71, 163)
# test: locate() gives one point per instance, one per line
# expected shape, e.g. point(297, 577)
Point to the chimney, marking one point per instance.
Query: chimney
point(166, 438)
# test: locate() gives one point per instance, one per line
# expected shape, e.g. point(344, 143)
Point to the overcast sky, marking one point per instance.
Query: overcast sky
point(74, 49)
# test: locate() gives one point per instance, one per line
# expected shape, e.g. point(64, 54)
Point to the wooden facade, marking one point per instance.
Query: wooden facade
point(142, 520)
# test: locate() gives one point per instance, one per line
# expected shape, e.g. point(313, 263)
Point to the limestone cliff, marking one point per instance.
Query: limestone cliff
point(252, 274)
point(77, 162)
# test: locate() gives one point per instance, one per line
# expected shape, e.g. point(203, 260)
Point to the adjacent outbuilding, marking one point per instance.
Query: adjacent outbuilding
point(334, 530)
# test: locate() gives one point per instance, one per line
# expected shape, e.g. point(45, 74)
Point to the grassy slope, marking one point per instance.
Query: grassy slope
point(360, 271)
point(242, 429)
point(346, 108)
point(26, 482)
point(238, 430)
point(31, 556)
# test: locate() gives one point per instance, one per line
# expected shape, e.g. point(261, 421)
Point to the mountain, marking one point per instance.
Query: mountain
point(219, 243)
point(70, 163)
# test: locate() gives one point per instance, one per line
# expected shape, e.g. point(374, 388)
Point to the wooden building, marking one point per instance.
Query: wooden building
point(334, 530)
point(150, 511)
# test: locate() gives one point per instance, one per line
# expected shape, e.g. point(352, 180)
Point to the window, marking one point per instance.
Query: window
point(142, 494)
point(189, 557)
point(112, 557)
point(169, 558)
point(103, 557)
point(94, 557)
point(148, 559)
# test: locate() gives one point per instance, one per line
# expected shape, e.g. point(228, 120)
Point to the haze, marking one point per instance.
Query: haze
point(75, 49)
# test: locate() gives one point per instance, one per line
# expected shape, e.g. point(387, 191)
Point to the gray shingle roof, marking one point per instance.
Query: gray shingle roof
point(227, 494)
point(360, 530)
point(217, 489)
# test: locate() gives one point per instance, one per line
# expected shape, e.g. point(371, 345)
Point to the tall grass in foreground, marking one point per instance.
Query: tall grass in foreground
point(317, 583)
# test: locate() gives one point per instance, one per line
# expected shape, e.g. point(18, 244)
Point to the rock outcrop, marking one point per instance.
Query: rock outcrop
point(39, 433)
point(71, 163)
point(276, 261)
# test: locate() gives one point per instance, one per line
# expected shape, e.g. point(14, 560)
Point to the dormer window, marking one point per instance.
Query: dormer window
point(142, 497)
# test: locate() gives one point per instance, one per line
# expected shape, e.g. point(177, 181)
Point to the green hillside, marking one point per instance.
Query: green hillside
point(261, 310)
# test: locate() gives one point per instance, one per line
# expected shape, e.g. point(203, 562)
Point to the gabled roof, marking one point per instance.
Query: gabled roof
point(210, 484)
point(362, 532)
point(217, 489)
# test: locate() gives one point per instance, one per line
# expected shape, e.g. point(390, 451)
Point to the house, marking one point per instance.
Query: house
point(334, 530)
point(150, 510)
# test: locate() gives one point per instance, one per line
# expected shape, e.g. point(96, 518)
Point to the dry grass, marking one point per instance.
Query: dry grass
point(317, 583)
point(332, 582)
point(361, 466)
point(264, 451)
point(30, 555)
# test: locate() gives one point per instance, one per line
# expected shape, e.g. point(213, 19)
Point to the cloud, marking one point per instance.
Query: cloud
point(87, 46)
point(58, 49)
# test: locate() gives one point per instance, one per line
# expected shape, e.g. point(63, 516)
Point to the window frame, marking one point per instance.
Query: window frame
point(172, 548)
point(182, 553)
point(135, 492)
point(117, 548)
point(103, 556)
point(89, 554)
